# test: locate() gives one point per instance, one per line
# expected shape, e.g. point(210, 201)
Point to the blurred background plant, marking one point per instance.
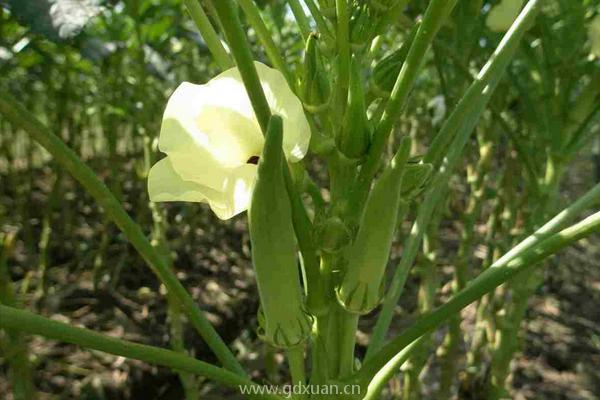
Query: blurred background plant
point(99, 73)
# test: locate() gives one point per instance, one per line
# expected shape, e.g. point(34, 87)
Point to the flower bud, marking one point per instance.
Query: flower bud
point(354, 136)
point(387, 70)
point(360, 289)
point(284, 320)
point(363, 25)
point(333, 235)
point(315, 87)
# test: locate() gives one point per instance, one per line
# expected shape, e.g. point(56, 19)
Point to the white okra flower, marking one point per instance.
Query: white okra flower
point(213, 140)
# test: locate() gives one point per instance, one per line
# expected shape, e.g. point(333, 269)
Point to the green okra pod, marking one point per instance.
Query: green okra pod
point(354, 136)
point(360, 288)
point(283, 316)
point(315, 86)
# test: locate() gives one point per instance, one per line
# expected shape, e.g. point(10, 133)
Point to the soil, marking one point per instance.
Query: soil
point(561, 346)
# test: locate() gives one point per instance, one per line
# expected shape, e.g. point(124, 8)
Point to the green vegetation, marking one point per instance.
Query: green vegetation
point(452, 172)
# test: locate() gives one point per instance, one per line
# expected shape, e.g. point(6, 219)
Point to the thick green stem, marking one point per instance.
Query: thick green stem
point(320, 364)
point(300, 17)
point(295, 356)
point(20, 117)
point(25, 321)
point(348, 324)
point(208, 34)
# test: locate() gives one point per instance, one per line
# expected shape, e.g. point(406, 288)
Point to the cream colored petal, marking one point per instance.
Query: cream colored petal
point(164, 184)
point(237, 192)
point(209, 123)
point(233, 139)
point(192, 161)
point(282, 101)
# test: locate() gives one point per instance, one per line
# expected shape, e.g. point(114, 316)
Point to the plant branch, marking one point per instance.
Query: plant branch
point(436, 14)
point(20, 117)
point(25, 321)
point(301, 18)
point(500, 272)
point(236, 38)
point(266, 38)
point(209, 34)
point(452, 139)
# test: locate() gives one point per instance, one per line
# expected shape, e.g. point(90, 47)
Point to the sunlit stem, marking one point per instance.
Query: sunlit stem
point(387, 372)
point(301, 18)
point(266, 39)
point(208, 34)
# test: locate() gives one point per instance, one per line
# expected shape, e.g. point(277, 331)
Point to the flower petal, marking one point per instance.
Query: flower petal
point(191, 161)
point(164, 184)
point(209, 133)
point(237, 192)
point(233, 138)
point(281, 99)
point(283, 102)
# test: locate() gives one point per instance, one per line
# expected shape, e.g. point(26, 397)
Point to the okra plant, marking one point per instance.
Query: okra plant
point(256, 137)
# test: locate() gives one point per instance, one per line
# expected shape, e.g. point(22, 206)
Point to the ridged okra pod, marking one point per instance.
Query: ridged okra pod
point(360, 289)
point(315, 87)
point(353, 139)
point(283, 317)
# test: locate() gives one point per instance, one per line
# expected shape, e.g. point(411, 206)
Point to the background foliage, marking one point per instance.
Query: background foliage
point(99, 73)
